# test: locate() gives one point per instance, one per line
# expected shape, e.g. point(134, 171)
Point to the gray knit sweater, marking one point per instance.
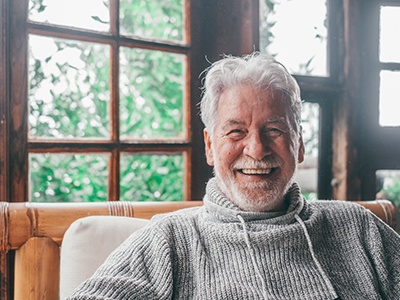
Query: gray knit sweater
point(315, 250)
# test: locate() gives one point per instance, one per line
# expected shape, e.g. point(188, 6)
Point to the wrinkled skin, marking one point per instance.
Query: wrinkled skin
point(254, 148)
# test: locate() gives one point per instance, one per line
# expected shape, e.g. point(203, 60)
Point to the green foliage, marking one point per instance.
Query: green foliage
point(151, 177)
point(69, 89)
point(36, 5)
point(151, 94)
point(310, 196)
point(390, 189)
point(310, 124)
point(69, 98)
point(266, 25)
point(68, 178)
point(161, 19)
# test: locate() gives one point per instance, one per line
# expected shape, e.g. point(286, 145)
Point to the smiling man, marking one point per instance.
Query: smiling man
point(255, 147)
point(255, 237)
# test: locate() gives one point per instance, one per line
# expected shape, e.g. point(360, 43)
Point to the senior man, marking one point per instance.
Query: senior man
point(255, 237)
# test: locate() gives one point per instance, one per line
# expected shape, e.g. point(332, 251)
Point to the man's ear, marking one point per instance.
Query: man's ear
point(207, 142)
point(300, 155)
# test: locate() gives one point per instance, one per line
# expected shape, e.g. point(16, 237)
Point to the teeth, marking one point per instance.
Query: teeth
point(256, 171)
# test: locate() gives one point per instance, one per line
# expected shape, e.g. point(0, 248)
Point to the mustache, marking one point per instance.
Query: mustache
point(249, 163)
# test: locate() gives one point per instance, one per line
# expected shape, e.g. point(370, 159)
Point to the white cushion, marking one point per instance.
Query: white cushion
point(87, 243)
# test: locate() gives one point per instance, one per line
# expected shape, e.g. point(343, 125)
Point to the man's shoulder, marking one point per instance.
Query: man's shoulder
point(337, 206)
point(333, 203)
point(167, 226)
point(181, 215)
point(337, 214)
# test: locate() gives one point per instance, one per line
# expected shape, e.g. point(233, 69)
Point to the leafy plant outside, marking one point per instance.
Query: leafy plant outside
point(69, 98)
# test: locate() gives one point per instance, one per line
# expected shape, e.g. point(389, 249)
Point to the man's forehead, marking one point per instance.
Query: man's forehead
point(239, 122)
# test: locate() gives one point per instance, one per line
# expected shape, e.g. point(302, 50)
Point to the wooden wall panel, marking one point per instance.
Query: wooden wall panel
point(18, 158)
point(4, 98)
point(346, 180)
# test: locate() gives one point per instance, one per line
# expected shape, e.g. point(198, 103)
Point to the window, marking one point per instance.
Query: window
point(296, 34)
point(389, 103)
point(307, 173)
point(389, 56)
point(342, 75)
point(108, 100)
point(379, 120)
point(387, 175)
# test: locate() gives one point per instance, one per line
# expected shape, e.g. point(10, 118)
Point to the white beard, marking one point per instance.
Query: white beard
point(270, 194)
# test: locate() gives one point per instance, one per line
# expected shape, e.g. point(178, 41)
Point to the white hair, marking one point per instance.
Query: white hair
point(257, 69)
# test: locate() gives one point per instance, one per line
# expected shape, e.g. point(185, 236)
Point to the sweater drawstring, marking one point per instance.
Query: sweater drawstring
point(314, 257)
point(250, 248)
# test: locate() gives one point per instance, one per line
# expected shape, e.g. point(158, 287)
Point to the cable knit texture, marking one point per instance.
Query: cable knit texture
point(314, 250)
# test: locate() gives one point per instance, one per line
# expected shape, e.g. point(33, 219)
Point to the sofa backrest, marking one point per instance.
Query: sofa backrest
point(87, 243)
point(33, 233)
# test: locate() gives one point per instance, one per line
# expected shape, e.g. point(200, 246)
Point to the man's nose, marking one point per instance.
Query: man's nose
point(256, 146)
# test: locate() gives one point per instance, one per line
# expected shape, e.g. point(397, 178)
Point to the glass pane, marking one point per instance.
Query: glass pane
point(151, 94)
point(388, 185)
point(86, 14)
point(149, 177)
point(295, 33)
point(68, 177)
point(389, 98)
point(162, 19)
point(69, 90)
point(307, 173)
point(389, 37)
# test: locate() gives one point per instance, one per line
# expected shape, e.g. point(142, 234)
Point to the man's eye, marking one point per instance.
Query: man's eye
point(274, 132)
point(235, 133)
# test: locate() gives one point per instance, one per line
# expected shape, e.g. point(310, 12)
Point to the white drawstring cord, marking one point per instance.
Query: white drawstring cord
point(310, 246)
point(247, 239)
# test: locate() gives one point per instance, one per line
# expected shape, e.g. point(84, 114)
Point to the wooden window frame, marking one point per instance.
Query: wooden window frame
point(348, 97)
point(380, 144)
point(14, 101)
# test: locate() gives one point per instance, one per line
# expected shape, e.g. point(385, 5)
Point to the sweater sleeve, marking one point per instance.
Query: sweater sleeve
point(383, 245)
point(139, 269)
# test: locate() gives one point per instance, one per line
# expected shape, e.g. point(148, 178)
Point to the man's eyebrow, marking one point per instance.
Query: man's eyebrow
point(232, 122)
point(276, 120)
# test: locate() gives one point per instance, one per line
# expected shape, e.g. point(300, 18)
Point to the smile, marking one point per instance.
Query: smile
point(256, 171)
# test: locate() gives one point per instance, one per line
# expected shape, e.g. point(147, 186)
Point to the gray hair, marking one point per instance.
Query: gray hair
point(257, 69)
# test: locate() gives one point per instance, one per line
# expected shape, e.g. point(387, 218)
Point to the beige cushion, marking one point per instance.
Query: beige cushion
point(87, 243)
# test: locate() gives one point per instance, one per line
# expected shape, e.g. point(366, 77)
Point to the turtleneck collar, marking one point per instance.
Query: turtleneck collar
point(217, 204)
point(222, 209)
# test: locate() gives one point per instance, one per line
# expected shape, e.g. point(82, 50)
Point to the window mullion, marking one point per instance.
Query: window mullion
point(18, 127)
point(4, 98)
point(114, 163)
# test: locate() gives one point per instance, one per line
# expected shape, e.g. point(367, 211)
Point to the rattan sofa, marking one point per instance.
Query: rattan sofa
point(31, 235)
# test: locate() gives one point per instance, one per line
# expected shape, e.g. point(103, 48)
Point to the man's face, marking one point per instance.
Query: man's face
point(254, 148)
